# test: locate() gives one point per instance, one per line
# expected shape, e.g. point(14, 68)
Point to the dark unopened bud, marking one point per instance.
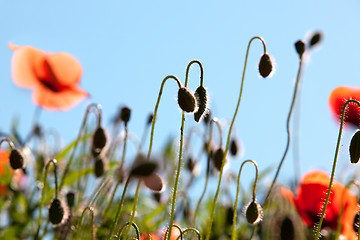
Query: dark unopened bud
point(190, 164)
point(200, 94)
point(287, 231)
point(150, 119)
point(17, 159)
point(229, 215)
point(70, 198)
point(144, 169)
point(99, 167)
point(125, 114)
point(355, 147)
point(265, 65)
point(56, 212)
point(207, 117)
point(300, 47)
point(315, 39)
point(99, 140)
point(234, 147)
point(253, 212)
point(186, 100)
point(356, 222)
point(218, 158)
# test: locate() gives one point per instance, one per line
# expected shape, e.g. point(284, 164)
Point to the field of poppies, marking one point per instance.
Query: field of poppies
point(91, 189)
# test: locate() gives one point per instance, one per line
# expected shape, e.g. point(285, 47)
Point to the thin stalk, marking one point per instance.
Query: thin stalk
point(133, 225)
point(229, 135)
point(119, 208)
point(234, 233)
point(90, 209)
point(297, 83)
point(334, 166)
point(53, 161)
point(124, 148)
point(134, 209)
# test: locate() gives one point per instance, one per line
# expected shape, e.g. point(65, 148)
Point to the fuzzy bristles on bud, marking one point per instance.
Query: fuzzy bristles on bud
point(200, 94)
point(300, 47)
point(354, 148)
point(99, 140)
point(265, 65)
point(356, 222)
point(186, 100)
point(253, 212)
point(17, 159)
point(58, 212)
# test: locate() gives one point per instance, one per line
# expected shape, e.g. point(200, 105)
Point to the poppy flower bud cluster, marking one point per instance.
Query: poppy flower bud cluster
point(191, 103)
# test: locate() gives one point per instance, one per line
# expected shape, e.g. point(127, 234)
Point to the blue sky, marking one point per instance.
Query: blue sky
point(126, 48)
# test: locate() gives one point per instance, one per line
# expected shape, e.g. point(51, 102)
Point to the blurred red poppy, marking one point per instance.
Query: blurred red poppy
point(53, 77)
point(4, 167)
point(310, 198)
point(337, 99)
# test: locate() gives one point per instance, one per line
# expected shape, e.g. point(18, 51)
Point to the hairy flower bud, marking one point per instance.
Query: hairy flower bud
point(354, 147)
point(186, 100)
point(125, 114)
point(98, 140)
point(265, 65)
point(56, 212)
point(17, 159)
point(200, 94)
point(218, 158)
point(99, 167)
point(253, 212)
point(300, 47)
point(315, 39)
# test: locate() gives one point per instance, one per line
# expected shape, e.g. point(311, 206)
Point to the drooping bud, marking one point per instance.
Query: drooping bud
point(98, 141)
point(354, 147)
point(234, 147)
point(253, 212)
point(315, 39)
point(287, 231)
point(56, 212)
point(300, 47)
point(125, 114)
point(186, 100)
point(200, 94)
point(150, 119)
point(99, 167)
point(144, 169)
point(154, 182)
point(356, 222)
point(70, 198)
point(265, 65)
point(17, 159)
point(218, 158)
point(207, 117)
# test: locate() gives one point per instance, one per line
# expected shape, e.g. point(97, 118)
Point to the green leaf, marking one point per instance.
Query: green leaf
point(66, 150)
point(74, 176)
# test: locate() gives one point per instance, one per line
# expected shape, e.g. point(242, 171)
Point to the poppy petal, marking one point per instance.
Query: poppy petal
point(63, 100)
point(24, 64)
point(65, 67)
point(154, 182)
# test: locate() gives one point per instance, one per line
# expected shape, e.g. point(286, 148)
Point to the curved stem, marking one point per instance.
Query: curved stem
point(190, 230)
point(168, 232)
point(229, 134)
point(90, 209)
point(89, 109)
point(216, 121)
point(233, 235)
point(156, 109)
point(119, 208)
point(5, 139)
point(134, 209)
point(207, 174)
point(53, 161)
point(297, 83)
point(201, 72)
point(334, 166)
point(133, 225)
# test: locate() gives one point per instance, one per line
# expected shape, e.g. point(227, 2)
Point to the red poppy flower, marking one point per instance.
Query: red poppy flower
point(310, 198)
point(53, 77)
point(4, 166)
point(337, 99)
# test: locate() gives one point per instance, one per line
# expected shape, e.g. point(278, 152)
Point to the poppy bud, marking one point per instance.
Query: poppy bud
point(16, 159)
point(186, 100)
point(218, 158)
point(315, 39)
point(287, 231)
point(56, 212)
point(300, 47)
point(99, 140)
point(150, 119)
point(144, 169)
point(207, 117)
point(70, 198)
point(99, 167)
point(355, 147)
point(200, 94)
point(253, 212)
point(265, 65)
point(190, 164)
point(356, 222)
point(234, 147)
point(125, 114)
point(229, 215)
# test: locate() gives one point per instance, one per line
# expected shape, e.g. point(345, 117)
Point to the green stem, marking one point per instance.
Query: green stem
point(168, 232)
point(234, 233)
point(88, 110)
point(112, 198)
point(334, 166)
point(133, 225)
point(134, 209)
point(229, 135)
point(90, 209)
point(53, 161)
point(190, 230)
point(201, 72)
point(297, 83)
point(119, 208)
point(5, 139)
point(124, 149)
